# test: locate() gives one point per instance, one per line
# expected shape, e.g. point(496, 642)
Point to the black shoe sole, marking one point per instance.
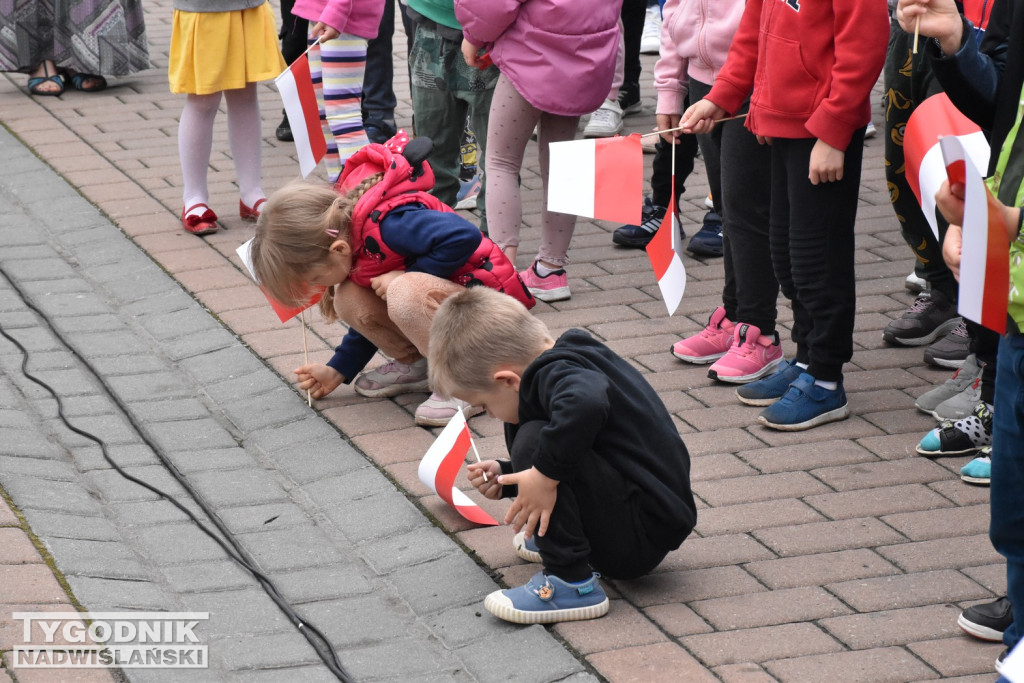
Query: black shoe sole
point(631, 241)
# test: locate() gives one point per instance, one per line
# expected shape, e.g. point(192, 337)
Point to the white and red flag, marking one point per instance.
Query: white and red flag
point(665, 252)
point(296, 87)
point(441, 464)
point(284, 311)
point(935, 118)
point(985, 255)
point(600, 178)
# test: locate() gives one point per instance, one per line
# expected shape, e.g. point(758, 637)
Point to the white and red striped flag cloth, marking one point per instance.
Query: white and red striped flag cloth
point(600, 178)
point(665, 252)
point(284, 311)
point(934, 118)
point(985, 255)
point(441, 464)
point(295, 84)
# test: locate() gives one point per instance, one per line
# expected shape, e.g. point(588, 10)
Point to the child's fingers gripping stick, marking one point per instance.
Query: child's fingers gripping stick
point(483, 476)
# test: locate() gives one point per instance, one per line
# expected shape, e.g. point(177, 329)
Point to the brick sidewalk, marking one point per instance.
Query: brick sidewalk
point(833, 554)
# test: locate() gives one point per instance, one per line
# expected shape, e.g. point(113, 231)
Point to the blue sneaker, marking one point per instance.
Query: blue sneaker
point(979, 470)
point(548, 599)
point(959, 437)
point(767, 391)
point(468, 191)
point(526, 548)
point(806, 405)
point(708, 240)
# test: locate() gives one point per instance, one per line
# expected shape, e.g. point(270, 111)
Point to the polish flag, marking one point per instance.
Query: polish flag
point(934, 118)
point(600, 178)
point(985, 255)
point(665, 251)
point(441, 464)
point(284, 311)
point(296, 88)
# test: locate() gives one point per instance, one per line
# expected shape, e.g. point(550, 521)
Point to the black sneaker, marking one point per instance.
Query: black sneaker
point(708, 240)
point(951, 350)
point(639, 235)
point(987, 621)
point(931, 316)
point(284, 130)
point(959, 437)
point(629, 101)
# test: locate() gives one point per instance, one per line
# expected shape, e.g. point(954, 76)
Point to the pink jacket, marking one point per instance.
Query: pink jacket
point(357, 17)
point(559, 54)
point(695, 39)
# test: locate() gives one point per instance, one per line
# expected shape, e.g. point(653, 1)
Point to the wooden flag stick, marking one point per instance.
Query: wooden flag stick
point(917, 31)
point(473, 444)
point(671, 130)
point(305, 353)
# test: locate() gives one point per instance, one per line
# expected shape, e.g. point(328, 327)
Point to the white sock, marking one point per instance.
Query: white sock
point(831, 386)
point(544, 271)
point(802, 366)
point(244, 128)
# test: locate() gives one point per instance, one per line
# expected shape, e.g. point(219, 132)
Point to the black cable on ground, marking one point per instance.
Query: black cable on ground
point(235, 551)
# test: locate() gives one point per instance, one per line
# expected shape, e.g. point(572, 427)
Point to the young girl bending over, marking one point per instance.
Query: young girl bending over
point(388, 254)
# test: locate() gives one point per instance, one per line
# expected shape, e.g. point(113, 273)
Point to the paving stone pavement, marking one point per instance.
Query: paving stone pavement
point(835, 554)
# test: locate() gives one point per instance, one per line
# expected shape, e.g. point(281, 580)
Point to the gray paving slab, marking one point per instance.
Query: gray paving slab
point(359, 559)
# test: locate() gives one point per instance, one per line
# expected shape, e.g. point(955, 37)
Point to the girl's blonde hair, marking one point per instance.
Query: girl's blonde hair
point(294, 233)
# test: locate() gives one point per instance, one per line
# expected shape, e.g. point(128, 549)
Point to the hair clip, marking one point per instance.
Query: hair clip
point(332, 232)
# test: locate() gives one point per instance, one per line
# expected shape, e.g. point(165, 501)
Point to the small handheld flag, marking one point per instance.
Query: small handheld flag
point(441, 464)
point(295, 84)
point(284, 311)
point(935, 118)
point(664, 250)
point(599, 178)
point(985, 254)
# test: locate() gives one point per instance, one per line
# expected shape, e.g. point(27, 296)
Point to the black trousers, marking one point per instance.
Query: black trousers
point(597, 521)
point(812, 246)
point(739, 175)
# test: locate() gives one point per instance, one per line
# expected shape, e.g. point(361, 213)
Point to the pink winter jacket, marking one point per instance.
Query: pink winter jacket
point(559, 54)
point(695, 39)
point(357, 17)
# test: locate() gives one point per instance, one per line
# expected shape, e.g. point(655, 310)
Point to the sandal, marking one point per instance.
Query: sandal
point(199, 224)
point(78, 81)
point(35, 81)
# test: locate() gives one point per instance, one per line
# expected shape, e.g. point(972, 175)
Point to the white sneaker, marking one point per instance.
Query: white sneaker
point(870, 131)
point(605, 122)
point(437, 411)
point(650, 39)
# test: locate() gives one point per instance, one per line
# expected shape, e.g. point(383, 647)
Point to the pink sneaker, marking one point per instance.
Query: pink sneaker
point(709, 344)
point(552, 287)
point(751, 356)
point(437, 411)
point(393, 378)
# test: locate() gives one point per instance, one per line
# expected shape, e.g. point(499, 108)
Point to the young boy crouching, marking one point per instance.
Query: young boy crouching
point(597, 467)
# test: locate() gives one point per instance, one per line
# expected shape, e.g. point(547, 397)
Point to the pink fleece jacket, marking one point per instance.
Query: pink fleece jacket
point(357, 17)
point(558, 54)
point(695, 38)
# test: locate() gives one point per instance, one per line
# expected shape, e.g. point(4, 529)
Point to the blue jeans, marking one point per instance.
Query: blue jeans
point(1007, 491)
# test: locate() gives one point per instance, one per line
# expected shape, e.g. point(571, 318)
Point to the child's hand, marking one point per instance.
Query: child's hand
point(952, 245)
point(700, 117)
point(469, 52)
point(939, 19)
point(666, 122)
point(381, 283)
point(826, 163)
point(322, 32)
point(320, 380)
point(950, 202)
point(490, 488)
point(533, 505)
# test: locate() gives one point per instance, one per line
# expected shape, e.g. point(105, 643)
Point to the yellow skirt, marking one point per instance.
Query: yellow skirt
point(214, 51)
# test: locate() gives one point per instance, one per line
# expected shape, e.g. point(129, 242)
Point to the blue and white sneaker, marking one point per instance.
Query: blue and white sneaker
point(979, 470)
point(468, 191)
point(770, 389)
point(548, 600)
point(806, 405)
point(526, 548)
point(959, 437)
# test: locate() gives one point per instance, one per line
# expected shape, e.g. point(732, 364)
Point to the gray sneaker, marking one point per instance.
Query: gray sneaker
point(962, 379)
point(931, 316)
point(951, 350)
point(960, 405)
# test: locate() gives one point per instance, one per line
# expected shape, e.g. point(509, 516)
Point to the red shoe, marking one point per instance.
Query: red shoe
point(199, 225)
point(247, 214)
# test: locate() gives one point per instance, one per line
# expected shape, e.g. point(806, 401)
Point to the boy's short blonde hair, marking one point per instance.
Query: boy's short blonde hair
point(476, 331)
